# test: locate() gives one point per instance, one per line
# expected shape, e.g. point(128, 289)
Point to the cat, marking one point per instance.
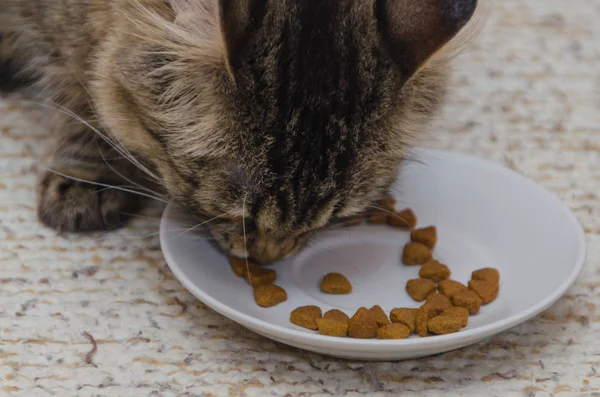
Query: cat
point(270, 118)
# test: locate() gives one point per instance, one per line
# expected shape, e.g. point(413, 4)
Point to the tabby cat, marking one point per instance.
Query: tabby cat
point(274, 117)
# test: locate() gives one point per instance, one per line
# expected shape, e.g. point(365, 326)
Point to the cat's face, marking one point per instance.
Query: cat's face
point(275, 117)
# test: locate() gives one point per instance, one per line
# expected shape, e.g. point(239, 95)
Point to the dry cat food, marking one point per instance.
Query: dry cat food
point(426, 236)
point(405, 219)
point(404, 316)
point(306, 317)
point(459, 312)
point(419, 289)
point(435, 271)
point(487, 290)
point(393, 331)
point(335, 283)
point(379, 316)
point(467, 299)
point(447, 303)
point(338, 315)
point(259, 275)
point(332, 326)
point(451, 287)
point(486, 274)
point(362, 325)
point(238, 265)
point(421, 320)
point(269, 295)
point(416, 254)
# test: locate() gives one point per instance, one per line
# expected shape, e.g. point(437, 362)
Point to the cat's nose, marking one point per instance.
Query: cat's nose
point(266, 251)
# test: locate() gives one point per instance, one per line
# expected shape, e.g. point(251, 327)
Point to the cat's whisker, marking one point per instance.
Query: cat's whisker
point(117, 147)
point(107, 186)
point(131, 238)
point(132, 182)
point(389, 212)
point(200, 224)
point(245, 240)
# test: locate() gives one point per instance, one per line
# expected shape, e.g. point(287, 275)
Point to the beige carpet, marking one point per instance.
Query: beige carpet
point(102, 315)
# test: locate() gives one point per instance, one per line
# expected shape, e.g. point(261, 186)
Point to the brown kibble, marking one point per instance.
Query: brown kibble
point(388, 203)
point(336, 314)
point(269, 295)
point(444, 325)
point(306, 316)
point(379, 316)
point(435, 271)
point(405, 219)
point(404, 316)
point(378, 218)
point(393, 331)
point(458, 312)
point(332, 327)
point(415, 254)
point(259, 275)
point(486, 274)
point(421, 319)
point(336, 283)
point(467, 299)
point(487, 290)
point(419, 289)
point(426, 236)
point(437, 303)
point(362, 325)
point(451, 287)
point(240, 266)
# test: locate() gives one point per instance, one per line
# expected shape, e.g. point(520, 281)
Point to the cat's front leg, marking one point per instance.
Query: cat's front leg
point(81, 190)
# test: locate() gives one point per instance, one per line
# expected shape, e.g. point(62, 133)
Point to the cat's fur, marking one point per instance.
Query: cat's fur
point(290, 113)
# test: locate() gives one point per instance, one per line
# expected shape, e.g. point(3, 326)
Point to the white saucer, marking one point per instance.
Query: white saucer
point(487, 216)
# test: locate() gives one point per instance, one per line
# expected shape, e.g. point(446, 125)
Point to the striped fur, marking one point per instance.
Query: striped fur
point(290, 113)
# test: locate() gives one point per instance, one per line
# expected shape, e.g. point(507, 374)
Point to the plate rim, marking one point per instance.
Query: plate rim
point(316, 339)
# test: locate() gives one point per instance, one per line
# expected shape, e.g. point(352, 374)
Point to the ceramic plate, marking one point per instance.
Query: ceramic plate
point(486, 215)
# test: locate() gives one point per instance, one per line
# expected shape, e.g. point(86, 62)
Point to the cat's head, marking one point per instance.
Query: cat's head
point(281, 114)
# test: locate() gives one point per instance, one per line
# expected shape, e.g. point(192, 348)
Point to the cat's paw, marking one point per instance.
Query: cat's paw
point(72, 206)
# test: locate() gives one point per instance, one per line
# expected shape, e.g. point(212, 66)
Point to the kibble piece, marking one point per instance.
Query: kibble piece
point(451, 287)
point(458, 312)
point(421, 320)
point(362, 325)
point(240, 265)
point(388, 203)
point(379, 316)
point(419, 289)
point(336, 283)
point(405, 219)
point(487, 290)
point(426, 236)
point(444, 325)
point(404, 316)
point(378, 218)
point(486, 274)
point(269, 295)
point(259, 275)
point(435, 271)
point(336, 314)
point(393, 331)
point(415, 254)
point(437, 303)
point(306, 316)
point(467, 299)
point(332, 327)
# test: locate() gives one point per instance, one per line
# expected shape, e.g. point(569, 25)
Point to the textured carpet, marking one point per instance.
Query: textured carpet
point(103, 316)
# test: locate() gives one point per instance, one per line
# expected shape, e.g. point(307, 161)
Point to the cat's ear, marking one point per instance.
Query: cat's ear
point(238, 19)
point(414, 30)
